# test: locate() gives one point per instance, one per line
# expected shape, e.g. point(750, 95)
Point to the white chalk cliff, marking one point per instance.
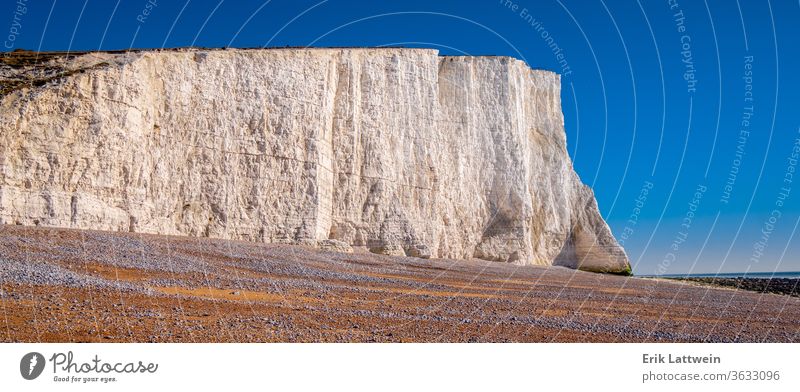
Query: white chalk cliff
point(395, 151)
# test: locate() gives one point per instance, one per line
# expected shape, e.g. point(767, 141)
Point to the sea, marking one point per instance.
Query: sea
point(783, 274)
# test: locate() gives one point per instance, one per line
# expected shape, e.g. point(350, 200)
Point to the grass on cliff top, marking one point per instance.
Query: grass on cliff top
point(26, 58)
point(36, 64)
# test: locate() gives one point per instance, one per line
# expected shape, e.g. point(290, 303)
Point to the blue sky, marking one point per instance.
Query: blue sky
point(654, 95)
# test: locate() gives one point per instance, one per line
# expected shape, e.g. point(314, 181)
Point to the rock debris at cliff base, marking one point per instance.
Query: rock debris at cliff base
point(393, 151)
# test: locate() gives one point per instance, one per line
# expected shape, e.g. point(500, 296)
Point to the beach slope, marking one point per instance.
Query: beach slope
point(61, 285)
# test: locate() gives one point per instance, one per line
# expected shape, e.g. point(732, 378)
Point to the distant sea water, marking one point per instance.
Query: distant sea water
point(785, 274)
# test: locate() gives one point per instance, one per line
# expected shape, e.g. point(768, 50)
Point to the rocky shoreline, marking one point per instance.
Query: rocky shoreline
point(60, 285)
point(783, 286)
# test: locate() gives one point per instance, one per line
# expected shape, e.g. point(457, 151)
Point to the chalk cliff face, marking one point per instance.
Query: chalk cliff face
point(395, 151)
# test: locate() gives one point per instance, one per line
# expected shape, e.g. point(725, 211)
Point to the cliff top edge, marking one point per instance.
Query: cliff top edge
point(25, 57)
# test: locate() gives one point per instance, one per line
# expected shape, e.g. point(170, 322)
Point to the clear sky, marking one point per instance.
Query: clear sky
point(694, 103)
